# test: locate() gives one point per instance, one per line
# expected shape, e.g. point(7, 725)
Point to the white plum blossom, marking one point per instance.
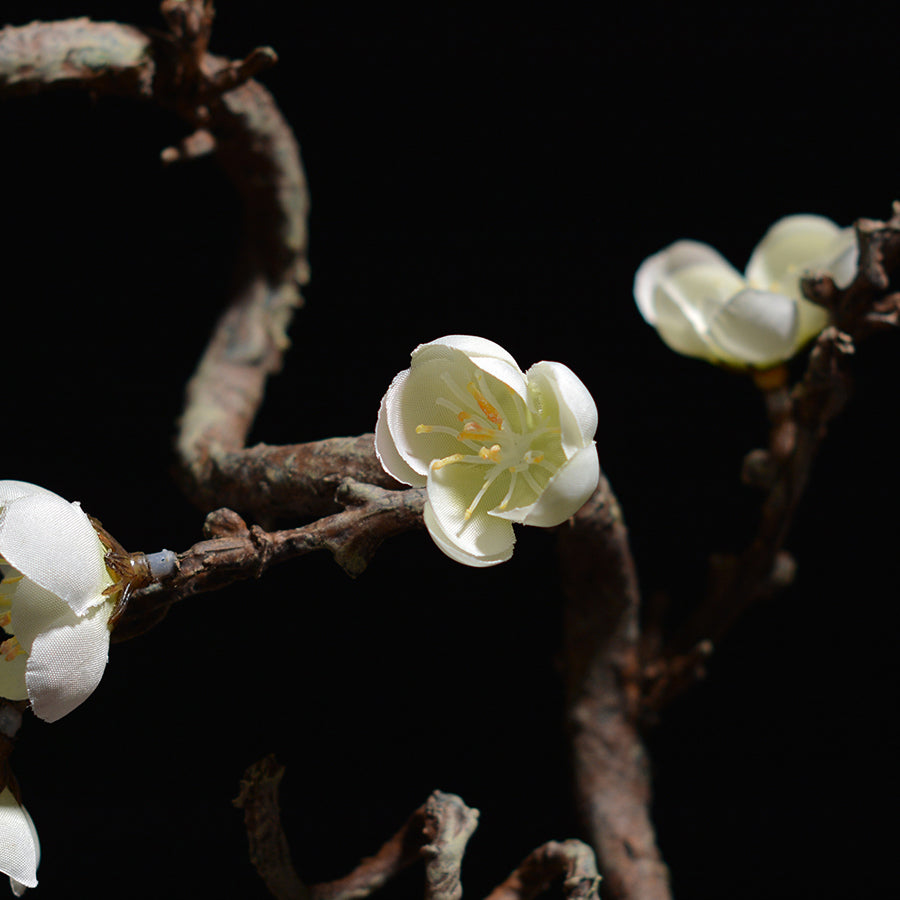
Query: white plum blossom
point(492, 445)
point(54, 600)
point(703, 307)
point(20, 850)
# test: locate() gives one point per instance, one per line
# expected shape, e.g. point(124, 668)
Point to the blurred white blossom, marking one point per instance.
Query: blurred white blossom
point(492, 445)
point(20, 850)
point(703, 307)
point(53, 608)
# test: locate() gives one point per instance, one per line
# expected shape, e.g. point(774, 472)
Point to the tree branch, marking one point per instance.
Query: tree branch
point(603, 683)
point(437, 832)
point(259, 154)
point(800, 418)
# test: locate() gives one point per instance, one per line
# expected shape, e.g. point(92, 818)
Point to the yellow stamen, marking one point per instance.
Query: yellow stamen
point(446, 461)
point(509, 493)
point(10, 649)
point(483, 490)
point(5, 619)
point(423, 429)
point(490, 412)
point(473, 431)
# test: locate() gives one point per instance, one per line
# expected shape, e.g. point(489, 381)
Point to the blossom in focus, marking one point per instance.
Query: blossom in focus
point(54, 605)
point(20, 850)
point(703, 307)
point(492, 445)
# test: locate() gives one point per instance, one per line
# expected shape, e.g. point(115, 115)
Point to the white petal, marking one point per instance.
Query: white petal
point(451, 549)
point(567, 492)
point(811, 319)
point(842, 258)
point(470, 345)
point(796, 245)
point(385, 447)
point(12, 678)
point(67, 662)
point(485, 539)
point(756, 328)
point(13, 490)
point(20, 850)
point(35, 609)
point(673, 258)
point(411, 401)
point(575, 405)
point(688, 299)
point(485, 354)
point(53, 543)
point(679, 333)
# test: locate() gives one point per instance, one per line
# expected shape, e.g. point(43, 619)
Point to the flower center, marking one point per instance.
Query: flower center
point(9, 648)
point(504, 440)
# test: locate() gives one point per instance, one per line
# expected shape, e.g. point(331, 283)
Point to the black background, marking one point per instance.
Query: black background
point(501, 172)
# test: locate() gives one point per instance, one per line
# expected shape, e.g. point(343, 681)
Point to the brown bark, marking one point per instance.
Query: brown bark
point(602, 675)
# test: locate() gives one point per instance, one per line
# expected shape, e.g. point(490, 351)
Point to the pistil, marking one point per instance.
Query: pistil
point(504, 446)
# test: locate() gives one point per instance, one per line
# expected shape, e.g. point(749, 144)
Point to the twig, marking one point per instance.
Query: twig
point(235, 552)
point(800, 421)
point(397, 854)
point(269, 850)
point(437, 832)
point(573, 861)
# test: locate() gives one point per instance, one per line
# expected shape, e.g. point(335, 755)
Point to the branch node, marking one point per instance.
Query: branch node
point(224, 523)
point(200, 143)
point(759, 469)
point(264, 545)
point(449, 824)
point(237, 73)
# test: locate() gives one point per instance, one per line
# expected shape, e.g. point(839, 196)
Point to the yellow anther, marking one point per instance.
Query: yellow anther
point(446, 461)
point(5, 619)
point(473, 431)
point(491, 453)
point(490, 412)
point(10, 649)
point(12, 579)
